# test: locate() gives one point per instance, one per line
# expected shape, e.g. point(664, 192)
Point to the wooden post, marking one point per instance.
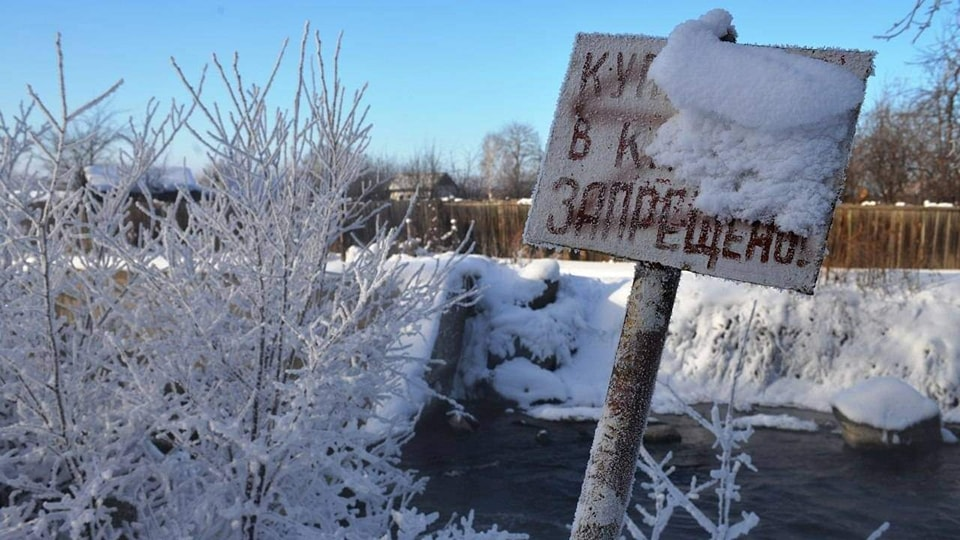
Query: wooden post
point(608, 481)
point(921, 260)
point(899, 216)
point(947, 240)
point(934, 245)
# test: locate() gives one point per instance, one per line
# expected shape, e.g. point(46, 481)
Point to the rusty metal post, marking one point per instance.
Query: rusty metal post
point(608, 481)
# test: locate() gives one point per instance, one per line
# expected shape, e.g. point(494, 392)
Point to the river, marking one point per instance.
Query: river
point(809, 484)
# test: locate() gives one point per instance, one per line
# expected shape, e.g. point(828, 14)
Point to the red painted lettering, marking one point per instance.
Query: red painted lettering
point(623, 74)
point(628, 142)
point(568, 203)
point(615, 190)
point(591, 205)
point(581, 135)
point(730, 240)
point(708, 241)
point(790, 241)
point(638, 220)
point(667, 225)
point(760, 239)
point(590, 71)
point(644, 67)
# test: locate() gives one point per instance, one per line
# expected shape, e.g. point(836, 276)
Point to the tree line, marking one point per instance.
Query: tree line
point(906, 148)
point(505, 166)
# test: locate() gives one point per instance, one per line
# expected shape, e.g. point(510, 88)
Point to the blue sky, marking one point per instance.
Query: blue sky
point(440, 73)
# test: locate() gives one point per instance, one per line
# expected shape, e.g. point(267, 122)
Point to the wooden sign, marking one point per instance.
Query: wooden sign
point(599, 190)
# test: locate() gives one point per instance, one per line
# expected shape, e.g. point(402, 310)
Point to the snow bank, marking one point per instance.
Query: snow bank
point(885, 403)
point(541, 269)
point(800, 352)
point(555, 362)
point(759, 131)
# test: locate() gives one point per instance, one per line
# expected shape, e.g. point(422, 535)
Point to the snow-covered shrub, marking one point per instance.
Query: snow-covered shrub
point(222, 379)
point(729, 437)
point(667, 496)
point(722, 489)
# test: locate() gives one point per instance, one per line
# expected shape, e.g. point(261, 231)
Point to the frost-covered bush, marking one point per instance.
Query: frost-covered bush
point(218, 380)
point(668, 497)
point(722, 490)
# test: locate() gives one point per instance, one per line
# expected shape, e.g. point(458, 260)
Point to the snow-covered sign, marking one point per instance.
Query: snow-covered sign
point(709, 156)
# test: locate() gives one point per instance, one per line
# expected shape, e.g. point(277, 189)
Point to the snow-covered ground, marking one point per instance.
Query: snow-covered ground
point(800, 350)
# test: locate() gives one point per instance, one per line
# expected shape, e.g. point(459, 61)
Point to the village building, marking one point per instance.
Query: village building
point(432, 186)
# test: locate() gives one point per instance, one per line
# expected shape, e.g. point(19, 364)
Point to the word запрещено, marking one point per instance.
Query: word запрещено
point(622, 209)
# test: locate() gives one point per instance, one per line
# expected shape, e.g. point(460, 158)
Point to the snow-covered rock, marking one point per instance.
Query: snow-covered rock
point(887, 412)
point(547, 271)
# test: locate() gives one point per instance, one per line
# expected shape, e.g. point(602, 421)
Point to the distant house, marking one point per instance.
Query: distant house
point(155, 193)
point(432, 186)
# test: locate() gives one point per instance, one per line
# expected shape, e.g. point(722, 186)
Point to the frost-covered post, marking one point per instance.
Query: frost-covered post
point(608, 481)
point(692, 153)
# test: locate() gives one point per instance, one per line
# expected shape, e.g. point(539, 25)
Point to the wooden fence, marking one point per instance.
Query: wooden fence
point(895, 237)
point(861, 237)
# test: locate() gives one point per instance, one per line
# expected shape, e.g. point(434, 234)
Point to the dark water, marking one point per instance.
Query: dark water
point(809, 485)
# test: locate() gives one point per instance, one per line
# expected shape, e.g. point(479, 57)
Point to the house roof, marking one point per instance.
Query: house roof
point(426, 181)
point(157, 179)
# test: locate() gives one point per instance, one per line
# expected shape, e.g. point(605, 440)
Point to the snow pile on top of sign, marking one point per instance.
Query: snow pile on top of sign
point(758, 130)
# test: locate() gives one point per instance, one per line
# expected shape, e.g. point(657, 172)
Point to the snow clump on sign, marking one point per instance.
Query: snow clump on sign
point(759, 130)
point(885, 403)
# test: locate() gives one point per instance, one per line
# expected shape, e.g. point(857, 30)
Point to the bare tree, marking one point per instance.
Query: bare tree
point(511, 160)
point(424, 162)
point(92, 137)
point(465, 170)
point(908, 144)
point(374, 180)
point(920, 17)
point(937, 106)
point(883, 159)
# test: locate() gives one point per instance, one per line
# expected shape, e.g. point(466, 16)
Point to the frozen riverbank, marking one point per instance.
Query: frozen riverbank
point(801, 350)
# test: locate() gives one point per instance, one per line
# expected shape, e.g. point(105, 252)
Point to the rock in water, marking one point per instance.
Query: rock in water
point(661, 434)
point(543, 437)
point(886, 412)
